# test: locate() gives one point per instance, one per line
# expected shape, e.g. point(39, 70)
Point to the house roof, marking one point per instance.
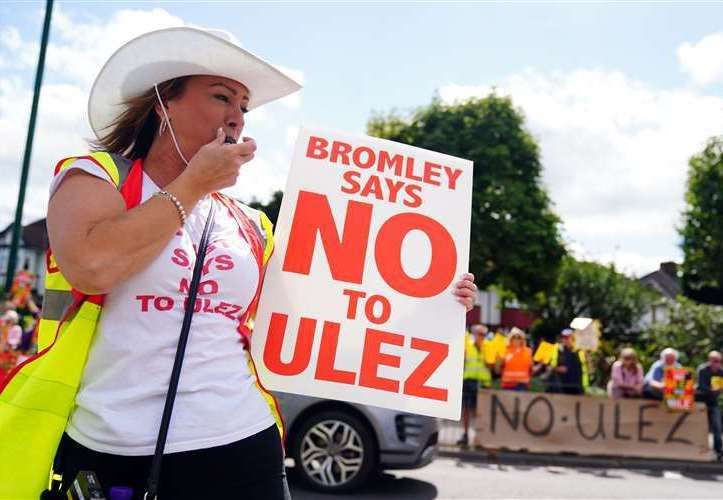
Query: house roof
point(34, 235)
point(664, 281)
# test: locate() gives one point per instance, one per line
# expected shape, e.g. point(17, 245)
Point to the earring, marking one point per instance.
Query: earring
point(164, 125)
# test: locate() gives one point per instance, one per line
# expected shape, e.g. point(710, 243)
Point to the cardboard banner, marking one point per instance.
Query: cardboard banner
point(587, 425)
point(357, 304)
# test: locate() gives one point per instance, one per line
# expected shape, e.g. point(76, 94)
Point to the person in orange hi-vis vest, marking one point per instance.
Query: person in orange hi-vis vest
point(516, 366)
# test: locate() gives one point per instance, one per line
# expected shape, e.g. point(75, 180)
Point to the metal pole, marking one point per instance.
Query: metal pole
point(17, 226)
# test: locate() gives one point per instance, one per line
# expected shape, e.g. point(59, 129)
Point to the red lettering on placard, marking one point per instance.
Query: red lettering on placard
point(394, 188)
point(388, 255)
point(386, 311)
point(373, 187)
point(453, 174)
point(327, 357)
point(275, 341)
point(346, 255)
point(432, 171)
point(414, 385)
point(354, 297)
point(340, 150)
point(414, 193)
point(351, 178)
point(395, 162)
point(317, 148)
point(359, 154)
point(409, 170)
point(372, 357)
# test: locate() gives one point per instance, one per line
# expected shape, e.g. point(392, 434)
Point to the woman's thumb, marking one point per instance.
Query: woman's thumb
point(220, 136)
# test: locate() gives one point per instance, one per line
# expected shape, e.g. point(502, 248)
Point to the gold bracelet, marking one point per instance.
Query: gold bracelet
point(174, 200)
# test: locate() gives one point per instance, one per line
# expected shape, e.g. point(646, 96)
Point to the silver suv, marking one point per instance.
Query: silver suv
point(336, 446)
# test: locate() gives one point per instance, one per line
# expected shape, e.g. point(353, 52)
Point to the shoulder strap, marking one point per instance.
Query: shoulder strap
point(153, 479)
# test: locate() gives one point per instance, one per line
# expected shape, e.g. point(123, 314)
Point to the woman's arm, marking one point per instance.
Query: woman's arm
point(97, 242)
point(616, 374)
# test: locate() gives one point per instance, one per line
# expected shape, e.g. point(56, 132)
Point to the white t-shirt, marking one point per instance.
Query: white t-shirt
point(123, 390)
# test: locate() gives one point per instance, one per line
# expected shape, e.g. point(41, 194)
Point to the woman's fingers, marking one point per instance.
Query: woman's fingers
point(245, 148)
point(466, 291)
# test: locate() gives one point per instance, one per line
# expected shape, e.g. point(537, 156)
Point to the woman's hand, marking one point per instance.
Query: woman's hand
point(466, 291)
point(216, 165)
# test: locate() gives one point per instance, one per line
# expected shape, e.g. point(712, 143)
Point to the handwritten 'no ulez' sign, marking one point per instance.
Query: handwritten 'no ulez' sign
point(589, 426)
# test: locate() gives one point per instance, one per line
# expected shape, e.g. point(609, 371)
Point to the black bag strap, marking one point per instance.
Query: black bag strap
point(154, 477)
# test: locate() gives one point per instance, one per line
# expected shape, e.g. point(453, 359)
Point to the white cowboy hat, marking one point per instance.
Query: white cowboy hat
point(164, 54)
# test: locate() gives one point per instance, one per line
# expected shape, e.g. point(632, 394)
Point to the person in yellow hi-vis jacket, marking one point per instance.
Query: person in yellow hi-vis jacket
point(477, 374)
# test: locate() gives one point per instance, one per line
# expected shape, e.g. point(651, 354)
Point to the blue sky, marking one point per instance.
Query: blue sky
point(610, 90)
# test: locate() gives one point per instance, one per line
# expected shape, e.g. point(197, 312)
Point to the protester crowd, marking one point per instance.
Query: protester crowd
point(564, 369)
point(18, 318)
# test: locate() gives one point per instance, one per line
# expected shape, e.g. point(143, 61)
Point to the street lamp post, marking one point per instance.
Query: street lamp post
point(18, 225)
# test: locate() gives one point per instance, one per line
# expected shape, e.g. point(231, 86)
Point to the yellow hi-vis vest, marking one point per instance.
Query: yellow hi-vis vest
point(583, 364)
point(475, 367)
point(37, 397)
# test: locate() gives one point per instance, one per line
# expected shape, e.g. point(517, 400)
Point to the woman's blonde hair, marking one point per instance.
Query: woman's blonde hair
point(629, 351)
point(516, 333)
point(132, 133)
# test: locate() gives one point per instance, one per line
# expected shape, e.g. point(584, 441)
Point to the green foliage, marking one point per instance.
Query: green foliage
point(596, 291)
point(271, 209)
point(702, 231)
point(515, 241)
point(693, 329)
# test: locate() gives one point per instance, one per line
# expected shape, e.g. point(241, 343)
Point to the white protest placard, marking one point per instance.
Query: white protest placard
point(357, 303)
point(587, 333)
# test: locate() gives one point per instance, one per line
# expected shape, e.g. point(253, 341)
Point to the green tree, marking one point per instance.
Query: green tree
point(271, 209)
point(702, 229)
point(590, 289)
point(691, 328)
point(515, 240)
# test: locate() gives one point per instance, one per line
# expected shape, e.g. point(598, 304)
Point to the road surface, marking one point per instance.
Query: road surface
point(451, 478)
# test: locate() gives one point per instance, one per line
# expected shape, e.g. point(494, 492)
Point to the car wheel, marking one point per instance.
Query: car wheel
point(334, 451)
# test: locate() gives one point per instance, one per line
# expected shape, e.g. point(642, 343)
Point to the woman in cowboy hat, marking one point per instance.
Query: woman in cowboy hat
point(168, 109)
point(173, 103)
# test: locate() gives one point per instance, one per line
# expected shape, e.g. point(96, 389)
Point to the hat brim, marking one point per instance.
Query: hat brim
point(161, 55)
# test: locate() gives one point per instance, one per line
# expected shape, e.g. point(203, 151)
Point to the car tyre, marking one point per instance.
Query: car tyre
point(334, 451)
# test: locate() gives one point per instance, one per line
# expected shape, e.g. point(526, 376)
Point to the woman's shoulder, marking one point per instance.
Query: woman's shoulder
point(114, 165)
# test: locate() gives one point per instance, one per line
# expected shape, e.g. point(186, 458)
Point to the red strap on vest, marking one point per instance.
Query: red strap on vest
point(248, 232)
